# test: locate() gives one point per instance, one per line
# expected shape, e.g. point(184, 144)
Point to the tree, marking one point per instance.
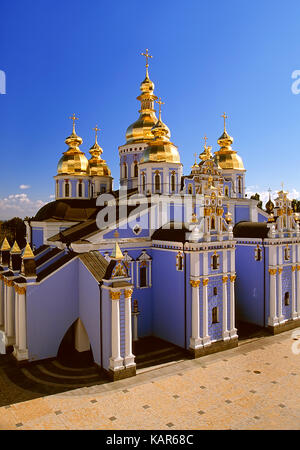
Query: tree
point(296, 205)
point(14, 230)
point(257, 197)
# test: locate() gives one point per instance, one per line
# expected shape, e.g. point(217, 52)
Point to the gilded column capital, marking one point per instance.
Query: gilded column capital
point(20, 290)
point(205, 281)
point(280, 269)
point(294, 268)
point(128, 293)
point(9, 283)
point(232, 278)
point(115, 295)
point(298, 268)
point(195, 283)
point(272, 271)
point(1, 277)
point(224, 279)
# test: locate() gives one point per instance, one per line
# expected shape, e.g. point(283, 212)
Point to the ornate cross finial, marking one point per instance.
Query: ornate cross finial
point(282, 185)
point(269, 190)
point(147, 55)
point(73, 118)
point(224, 117)
point(96, 129)
point(159, 103)
point(195, 154)
point(205, 139)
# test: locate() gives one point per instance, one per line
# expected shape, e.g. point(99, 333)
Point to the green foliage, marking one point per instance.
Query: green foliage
point(296, 205)
point(257, 197)
point(13, 229)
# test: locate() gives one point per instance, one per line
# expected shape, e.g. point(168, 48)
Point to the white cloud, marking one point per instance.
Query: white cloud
point(19, 205)
point(24, 186)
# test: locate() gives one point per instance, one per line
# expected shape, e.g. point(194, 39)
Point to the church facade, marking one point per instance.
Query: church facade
point(175, 256)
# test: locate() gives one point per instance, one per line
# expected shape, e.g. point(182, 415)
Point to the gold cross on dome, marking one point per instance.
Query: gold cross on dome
point(73, 118)
point(159, 102)
point(195, 154)
point(282, 185)
point(96, 129)
point(224, 117)
point(205, 139)
point(147, 55)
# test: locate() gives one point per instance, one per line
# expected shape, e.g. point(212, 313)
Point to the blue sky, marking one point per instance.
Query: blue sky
point(62, 57)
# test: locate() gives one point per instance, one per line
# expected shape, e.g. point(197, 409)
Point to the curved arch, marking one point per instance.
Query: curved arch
point(75, 346)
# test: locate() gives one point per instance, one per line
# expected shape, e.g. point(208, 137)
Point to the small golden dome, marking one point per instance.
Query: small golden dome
point(140, 130)
point(97, 165)
point(228, 158)
point(160, 149)
point(73, 161)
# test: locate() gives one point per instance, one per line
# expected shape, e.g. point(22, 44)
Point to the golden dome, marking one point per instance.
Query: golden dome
point(97, 165)
point(73, 161)
point(160, 149)
point(140, 130)
point(228, 158)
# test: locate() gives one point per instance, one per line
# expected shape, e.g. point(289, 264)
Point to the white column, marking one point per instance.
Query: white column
point(129, 357)
point(22, 322)
point(116, 362)
point(17, 318)
point(225, 330)
point(279, 295)
point(233, 330)
point(273, 319)
point(195, 341)
point(298, 291)
point(206, 337)
point(294, 310)
point(1, 303)
point(10, 310)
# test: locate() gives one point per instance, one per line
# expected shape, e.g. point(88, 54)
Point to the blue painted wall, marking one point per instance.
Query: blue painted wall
point(37, 237)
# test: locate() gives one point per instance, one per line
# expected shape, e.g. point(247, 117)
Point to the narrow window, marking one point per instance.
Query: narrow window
point(80, 189)
point(215, 314)
point(190, 189)
point(240, 185)
point(213, 223)
point(173, 182)
point(157, 182)
point(57, 188)
point(143, 276)
point(135, 170)
point(67, 189)
point(286, 253)
point(143, 182)
point(226, 191)
point(287, 299)
point(215, 262)
point(124, 170)
point(215, 291)
point(258, 254)
point(179, 262)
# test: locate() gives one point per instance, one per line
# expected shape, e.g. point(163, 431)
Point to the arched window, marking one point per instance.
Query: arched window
point(179, 261)
point(215, 291)
point(226, 191)
point(124, 170)
point(173, 182)
point(215, 314)
point(287, 299)
point(135, 169)
point(67, 189)
point(143, 182)
point(190, 189)
point(143, 276)
point(215, 261)
point(80, 189)
point(57, 188)
point(287, 253)
point(213, 223)
point(258, 253)
point(157, 182)
point(240, 185)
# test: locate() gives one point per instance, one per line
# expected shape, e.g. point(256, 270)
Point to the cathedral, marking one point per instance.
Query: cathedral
point(173, 256)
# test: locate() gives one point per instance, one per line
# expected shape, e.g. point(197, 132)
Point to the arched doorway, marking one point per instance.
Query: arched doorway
point(75, 349)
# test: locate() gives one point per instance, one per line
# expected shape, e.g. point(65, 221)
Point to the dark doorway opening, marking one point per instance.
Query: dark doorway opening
point(69, 356)
point(246, 330)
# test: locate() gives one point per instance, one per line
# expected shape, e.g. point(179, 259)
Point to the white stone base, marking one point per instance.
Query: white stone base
point(20, 355)
point(10, 340)
point(226, 335)
point(129, 361)
point(233, 333)
point(295, 316)
point(281, 319)
point(116, 364)
point(206, 341)
point(196, 342)
point(272, 321)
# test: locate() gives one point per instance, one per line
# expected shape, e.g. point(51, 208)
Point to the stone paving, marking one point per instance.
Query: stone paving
point(254, 386)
